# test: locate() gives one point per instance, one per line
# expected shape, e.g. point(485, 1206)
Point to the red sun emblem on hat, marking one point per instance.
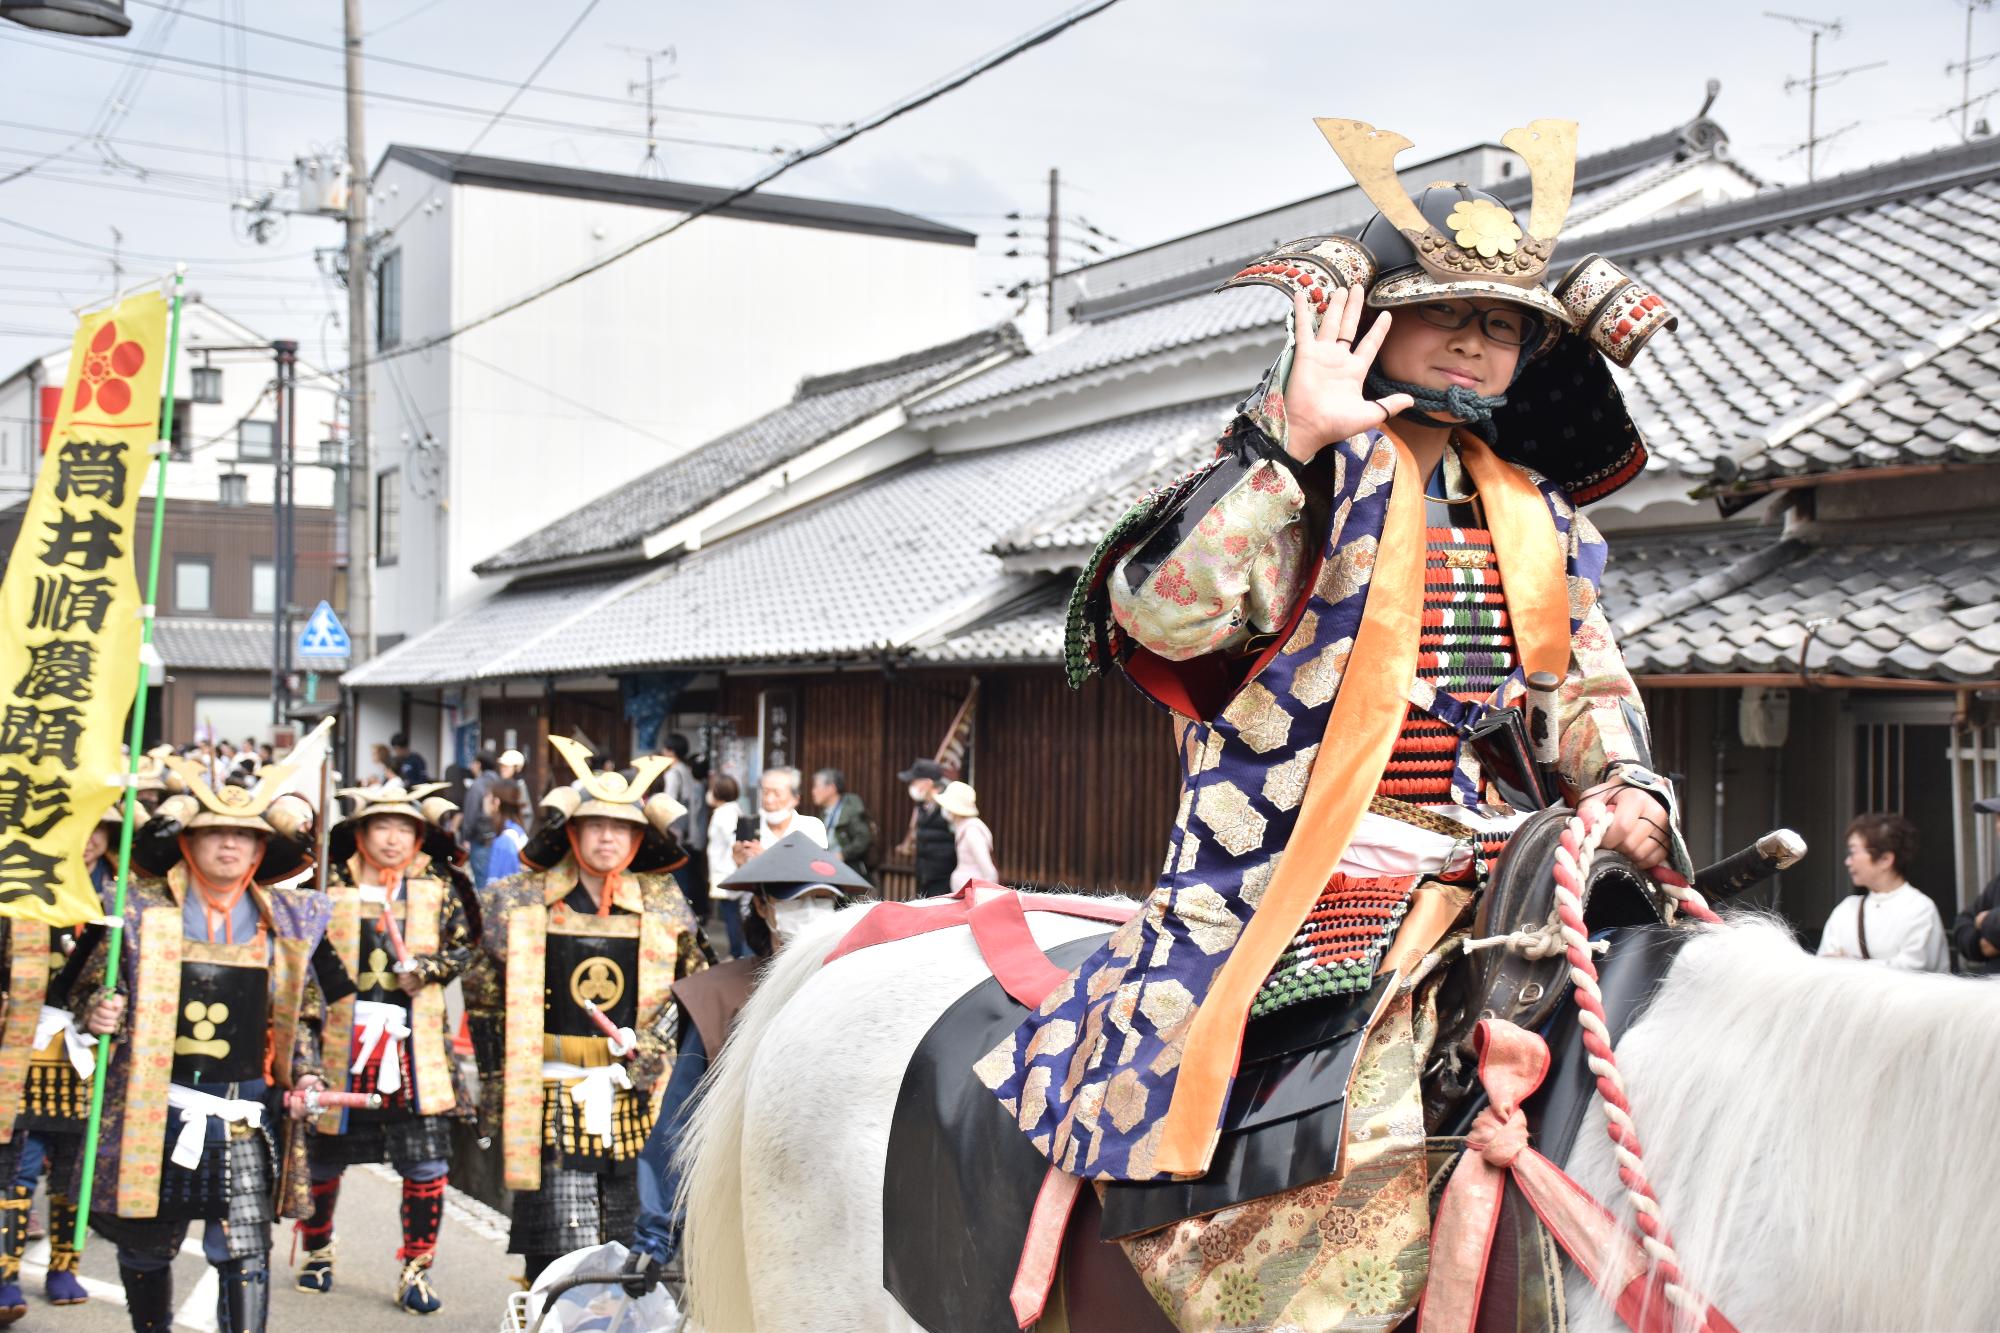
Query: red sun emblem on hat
point(107, 365)
point(821, 867)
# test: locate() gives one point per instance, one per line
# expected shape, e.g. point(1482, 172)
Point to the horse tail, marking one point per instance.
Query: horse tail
point(710, 1155)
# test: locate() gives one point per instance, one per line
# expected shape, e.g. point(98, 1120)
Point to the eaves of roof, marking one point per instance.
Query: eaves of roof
point(611, 187)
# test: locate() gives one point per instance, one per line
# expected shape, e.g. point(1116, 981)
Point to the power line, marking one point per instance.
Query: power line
point(470, 77)
point(163, 259)
point(121, 142)
point(950, 83)
point(527, 83)
point(295, 86)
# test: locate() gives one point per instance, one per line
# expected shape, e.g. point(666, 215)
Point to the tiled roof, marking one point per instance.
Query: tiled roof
point(1028, 632)
point(455, 649)
point(1784, 297)
point(1160, 446)
point(1913, 607)
point(190, 644)
point(1101, 344)
point(1941, 410)
point(824, 407)
point(872, 569)
point(581, 183)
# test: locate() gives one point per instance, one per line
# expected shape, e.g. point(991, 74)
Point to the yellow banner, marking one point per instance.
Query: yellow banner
point(69, 605)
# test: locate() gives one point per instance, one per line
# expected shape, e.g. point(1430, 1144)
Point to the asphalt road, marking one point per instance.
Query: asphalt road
point(474, 1272)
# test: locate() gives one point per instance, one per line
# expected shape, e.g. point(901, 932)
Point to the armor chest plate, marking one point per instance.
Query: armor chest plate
point(375, 958)
point(223, 1013)
point(590, 958)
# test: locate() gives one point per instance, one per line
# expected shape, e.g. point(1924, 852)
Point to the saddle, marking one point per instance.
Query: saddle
point(1521, 986)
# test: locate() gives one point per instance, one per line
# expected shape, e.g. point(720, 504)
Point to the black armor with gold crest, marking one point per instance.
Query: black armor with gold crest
point(600, 969)
point(375, 977)
point(224, 1012)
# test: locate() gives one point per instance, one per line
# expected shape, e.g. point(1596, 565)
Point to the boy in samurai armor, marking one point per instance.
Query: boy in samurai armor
point(216, 989)
point(395, 894)
point(46, 1064)
point(587, 947)
point(1337, 610)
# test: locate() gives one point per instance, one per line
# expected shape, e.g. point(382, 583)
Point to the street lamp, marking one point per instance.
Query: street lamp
point(233, 489)
point(78, 18)
point(206, 384)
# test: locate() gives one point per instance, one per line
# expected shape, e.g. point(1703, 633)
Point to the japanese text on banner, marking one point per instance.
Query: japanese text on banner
point(69, 653)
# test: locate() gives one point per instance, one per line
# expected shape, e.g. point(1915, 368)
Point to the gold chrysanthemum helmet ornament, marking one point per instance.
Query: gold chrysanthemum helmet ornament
point(609, 795)
point(1563, 414)
point(197, 805)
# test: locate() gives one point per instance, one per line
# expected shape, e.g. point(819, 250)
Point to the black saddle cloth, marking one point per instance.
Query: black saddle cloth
point(961, 1178)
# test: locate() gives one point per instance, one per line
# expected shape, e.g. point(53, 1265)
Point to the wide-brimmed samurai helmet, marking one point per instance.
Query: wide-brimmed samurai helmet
point(601, 794)
point(196, 805)
point(1563, 415)
point(421, 803)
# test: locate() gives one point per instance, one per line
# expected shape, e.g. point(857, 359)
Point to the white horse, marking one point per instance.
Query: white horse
point(1811, 1131)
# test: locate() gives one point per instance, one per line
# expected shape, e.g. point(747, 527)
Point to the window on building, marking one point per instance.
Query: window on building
point(256, 440)
point(193, 577)
point(180, 442)
point(389, 300)
point(263, 587)
point(388, 515)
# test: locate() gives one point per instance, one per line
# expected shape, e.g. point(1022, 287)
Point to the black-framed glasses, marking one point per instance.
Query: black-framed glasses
point(1508, 325)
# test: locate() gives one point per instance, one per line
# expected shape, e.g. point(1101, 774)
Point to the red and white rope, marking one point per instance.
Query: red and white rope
point(1577, 850)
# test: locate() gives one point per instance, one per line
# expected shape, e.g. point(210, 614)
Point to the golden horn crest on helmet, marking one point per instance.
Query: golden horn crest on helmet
point(1485, 241)
point(247, 802)
point(612, 788)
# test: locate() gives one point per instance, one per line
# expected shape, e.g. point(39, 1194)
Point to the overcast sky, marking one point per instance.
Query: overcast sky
point(1163, 115)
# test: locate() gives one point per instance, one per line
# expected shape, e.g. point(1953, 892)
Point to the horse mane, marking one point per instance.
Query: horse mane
point(1809, 1129)
point(710, 1156)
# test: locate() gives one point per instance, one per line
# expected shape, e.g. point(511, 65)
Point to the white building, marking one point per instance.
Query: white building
point(210, 440)
point(513, 424)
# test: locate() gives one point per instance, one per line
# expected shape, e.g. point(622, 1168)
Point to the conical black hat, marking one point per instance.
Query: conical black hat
point(793, 864)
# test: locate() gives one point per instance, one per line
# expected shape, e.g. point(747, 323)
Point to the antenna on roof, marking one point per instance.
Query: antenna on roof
point(650, 165)
point(1812, 82)
point(1963, 68)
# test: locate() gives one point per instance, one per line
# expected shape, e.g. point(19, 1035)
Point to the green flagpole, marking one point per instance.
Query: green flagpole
point(116, 924)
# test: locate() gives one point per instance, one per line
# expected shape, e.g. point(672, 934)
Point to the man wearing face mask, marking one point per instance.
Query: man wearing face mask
point(931, 835)
point(793, 884)
point(778, 815)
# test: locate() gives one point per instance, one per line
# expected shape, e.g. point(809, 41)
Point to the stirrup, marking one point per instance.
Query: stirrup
point(413, 1289)
point(316, 1274)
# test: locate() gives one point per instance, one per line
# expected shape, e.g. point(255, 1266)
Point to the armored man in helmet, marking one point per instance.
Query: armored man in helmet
point(586, 947)
point(216, 993)
point(1385, 554)
point(404, 923)
point(46, 1064)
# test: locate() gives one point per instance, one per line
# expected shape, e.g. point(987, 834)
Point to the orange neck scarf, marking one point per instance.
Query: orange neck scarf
point(218, 901)
point(611, 877)
point(388, 876)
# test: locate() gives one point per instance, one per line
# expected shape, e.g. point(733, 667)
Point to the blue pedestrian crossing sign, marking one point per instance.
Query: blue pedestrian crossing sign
point(324, 635)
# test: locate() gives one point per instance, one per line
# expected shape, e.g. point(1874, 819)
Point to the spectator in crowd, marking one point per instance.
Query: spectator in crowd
point(407, 763)
point(723, 812)
point(385, 765)
point(1976, 932)
point(935, 848)
point(505, 811)
point(778, 814)
point(849, 830)
point(1888, 920)
point(972, 840)
point(264, 753)
point(495, 772)
point(691, 828)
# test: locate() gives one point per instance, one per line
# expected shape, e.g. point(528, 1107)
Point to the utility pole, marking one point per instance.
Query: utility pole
point(1055, 242)
point(360, 481)
point(1815, 29)
point(284, 450)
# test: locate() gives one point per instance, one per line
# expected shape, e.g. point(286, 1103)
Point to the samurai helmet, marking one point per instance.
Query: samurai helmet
point(392, 798)
point(199, 805)
point(610, 795)
point(1563, 415)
